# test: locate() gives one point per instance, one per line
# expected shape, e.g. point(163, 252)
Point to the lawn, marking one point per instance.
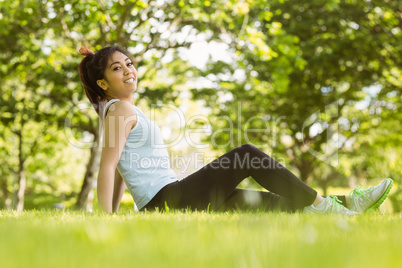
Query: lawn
point(51, 238)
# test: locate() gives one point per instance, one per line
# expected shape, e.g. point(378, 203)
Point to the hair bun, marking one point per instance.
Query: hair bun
point(85, 51)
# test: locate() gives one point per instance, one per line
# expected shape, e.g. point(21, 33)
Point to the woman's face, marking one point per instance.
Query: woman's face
point(120, 76)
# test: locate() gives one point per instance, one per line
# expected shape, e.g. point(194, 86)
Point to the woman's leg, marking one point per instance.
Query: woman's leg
point(214, 183)
point(245, 200)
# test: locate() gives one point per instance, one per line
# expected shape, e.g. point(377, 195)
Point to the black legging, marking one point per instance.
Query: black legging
point(213, 186)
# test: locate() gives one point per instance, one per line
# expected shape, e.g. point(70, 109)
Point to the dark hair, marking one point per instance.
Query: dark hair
point(92, 68)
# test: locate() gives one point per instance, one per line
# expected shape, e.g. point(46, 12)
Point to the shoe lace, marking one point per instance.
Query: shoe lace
point(335, 203)
point(358, 192)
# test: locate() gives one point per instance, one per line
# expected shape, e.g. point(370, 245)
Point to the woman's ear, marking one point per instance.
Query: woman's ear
point(103, 84)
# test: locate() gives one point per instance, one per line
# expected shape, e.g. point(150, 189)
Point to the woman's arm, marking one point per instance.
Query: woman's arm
point(118, 125)
point(119, 188)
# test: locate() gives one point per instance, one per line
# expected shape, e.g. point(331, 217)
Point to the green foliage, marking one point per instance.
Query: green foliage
point(286, 61)
point(316, 58)
point(40, 85)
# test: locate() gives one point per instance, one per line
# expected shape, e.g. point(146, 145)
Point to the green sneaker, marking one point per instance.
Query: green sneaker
point(370, 199)
point(330, 205)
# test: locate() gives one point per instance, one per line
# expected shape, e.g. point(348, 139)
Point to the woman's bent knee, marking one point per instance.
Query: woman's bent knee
point(248, 147)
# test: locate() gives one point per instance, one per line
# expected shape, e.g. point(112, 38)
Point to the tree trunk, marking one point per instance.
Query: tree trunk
point(325, 189)
point(6, 194)
point(395, 201)
point(18, 203)
point(326, 182)
point(21, 191)
point(89, 178)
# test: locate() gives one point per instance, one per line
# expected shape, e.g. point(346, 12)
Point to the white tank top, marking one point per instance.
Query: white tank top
point(144, 163)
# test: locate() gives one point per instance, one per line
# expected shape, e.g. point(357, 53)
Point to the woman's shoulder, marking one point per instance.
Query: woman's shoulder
point(121, 107)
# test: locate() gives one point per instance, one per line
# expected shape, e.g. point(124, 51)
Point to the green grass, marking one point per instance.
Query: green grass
point(198, 239)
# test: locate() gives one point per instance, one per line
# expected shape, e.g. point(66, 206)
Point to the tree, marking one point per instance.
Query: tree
point(20, 81)
point(34, 90)
point(305, 61)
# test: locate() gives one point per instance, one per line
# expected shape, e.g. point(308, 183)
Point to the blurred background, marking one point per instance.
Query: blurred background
point(316, 85)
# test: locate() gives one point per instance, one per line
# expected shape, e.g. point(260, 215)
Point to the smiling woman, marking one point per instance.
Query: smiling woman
point(120, 78)
point(134, 154)
point(105, 72)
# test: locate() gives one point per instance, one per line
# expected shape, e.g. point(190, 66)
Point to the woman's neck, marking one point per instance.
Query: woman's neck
point(128, 99)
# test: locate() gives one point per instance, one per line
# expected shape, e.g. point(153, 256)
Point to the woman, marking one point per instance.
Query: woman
point(109, 76)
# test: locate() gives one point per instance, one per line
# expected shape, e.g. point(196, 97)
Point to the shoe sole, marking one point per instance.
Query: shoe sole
point(381, 199)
